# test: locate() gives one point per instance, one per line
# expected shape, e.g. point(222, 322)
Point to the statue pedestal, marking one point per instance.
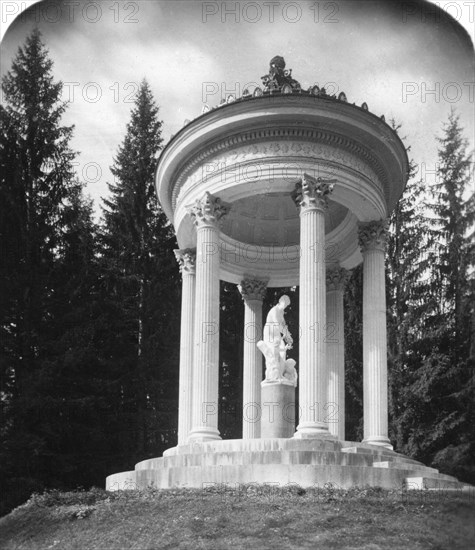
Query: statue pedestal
point(278, 409)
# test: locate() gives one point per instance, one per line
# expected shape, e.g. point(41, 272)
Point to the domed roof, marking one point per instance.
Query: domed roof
point(271, 219)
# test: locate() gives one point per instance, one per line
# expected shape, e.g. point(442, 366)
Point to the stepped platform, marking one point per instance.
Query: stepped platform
point(304, 462)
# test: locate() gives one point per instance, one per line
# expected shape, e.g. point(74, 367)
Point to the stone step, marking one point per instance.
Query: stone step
point(304, 475)
point(405, 466)
point(380, 455)
point(371, 449)
point(303, 461)
point(257, 457)
point(272, 444)
point(440, 482)
point(363, 450)
point(301, 456)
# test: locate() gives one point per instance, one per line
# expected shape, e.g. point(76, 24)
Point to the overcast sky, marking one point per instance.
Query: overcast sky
point(403, 59)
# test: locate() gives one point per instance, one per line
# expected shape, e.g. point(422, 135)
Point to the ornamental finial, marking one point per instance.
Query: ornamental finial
point(279, 79)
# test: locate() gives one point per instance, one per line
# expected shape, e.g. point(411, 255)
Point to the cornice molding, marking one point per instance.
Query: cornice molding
point(301, 139)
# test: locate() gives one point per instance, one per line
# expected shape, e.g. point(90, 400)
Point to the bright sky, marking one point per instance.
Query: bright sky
point(402, 58)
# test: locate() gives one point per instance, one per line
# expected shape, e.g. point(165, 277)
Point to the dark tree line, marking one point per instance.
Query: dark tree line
point(89, 312)
point(431, 297)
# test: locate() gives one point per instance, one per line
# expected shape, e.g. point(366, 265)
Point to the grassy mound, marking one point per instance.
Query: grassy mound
point(252, 516)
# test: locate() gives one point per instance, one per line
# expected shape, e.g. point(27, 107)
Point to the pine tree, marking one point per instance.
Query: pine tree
point(37, 192)
point(453, 443)
point(141, 290)
point(407, 262)
point(75, 382)
point(439, 411)
point(453, 220)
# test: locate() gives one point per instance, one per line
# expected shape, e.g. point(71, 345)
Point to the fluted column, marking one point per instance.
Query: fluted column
point(372, 239)
point(335, 352)
point(253, 292)
point(310, 196)
point(186, 259)
point(206, 214)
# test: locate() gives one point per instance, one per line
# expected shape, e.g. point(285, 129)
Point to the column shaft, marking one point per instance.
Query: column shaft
point(186, 258)
point(310, 195)
point(375, 375)
point(335, 353)
point(253, 292)
point(206, 214)
point(206, 349)
point(252, 371)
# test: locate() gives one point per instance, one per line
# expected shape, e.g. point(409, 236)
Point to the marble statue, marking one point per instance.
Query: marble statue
point(275, 343)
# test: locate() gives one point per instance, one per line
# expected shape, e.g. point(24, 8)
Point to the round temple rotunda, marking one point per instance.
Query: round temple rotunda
point(250, 153)
point(281, 187)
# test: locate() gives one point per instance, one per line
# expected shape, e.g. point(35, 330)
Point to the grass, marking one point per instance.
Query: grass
point(251, 517)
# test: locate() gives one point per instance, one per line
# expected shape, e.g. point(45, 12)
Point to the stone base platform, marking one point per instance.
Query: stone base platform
point(305, 462)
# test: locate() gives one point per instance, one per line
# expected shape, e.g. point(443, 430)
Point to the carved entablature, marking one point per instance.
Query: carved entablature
point(208, 210)
point(186, 258)
point(373, 235)
point(295, 145)
point(312, 193)
point(253, 289)
point(336, 278)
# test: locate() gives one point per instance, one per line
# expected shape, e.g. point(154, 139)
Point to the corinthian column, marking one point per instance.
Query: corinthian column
point(206, 214)
point(335, 340)
point(310, 196)
point(372, 239)
point(253, 292)
point(186, 259)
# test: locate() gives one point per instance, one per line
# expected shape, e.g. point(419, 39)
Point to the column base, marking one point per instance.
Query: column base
point(379, 441)
point(313, 430)
point(204, 433)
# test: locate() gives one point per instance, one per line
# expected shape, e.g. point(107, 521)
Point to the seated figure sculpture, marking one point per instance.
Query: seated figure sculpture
point(275, 343)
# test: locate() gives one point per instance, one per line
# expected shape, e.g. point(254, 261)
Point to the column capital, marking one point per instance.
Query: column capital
point(311, 193)
point(373, 235)
point(186, 258)
point(336, 278)
point(208, 210)
point(252, 289)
